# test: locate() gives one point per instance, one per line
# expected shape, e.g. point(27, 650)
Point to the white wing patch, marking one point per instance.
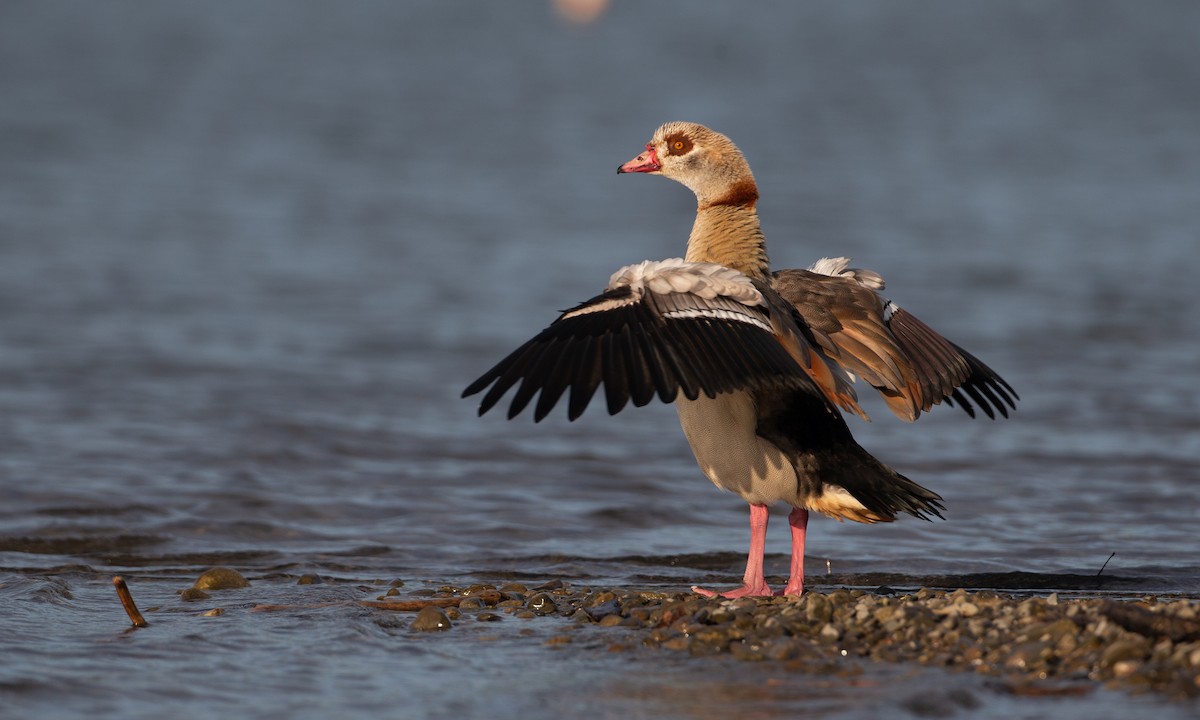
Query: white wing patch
point(715, 291)
point(603, 306)
point(718, 314)
point(840, 267)
point(705, 280)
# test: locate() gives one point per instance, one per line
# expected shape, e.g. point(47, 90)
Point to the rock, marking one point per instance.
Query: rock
point(431, 617)
point(221, 578)
point(611, 606)
point(309, 579)
point(817, 608)
point(542, 604)
point(959, 609)
point(1028, 655)
point(1124, 650)
point(192, 595)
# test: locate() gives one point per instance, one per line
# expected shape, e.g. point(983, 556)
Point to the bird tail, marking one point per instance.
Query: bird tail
point(854, 485)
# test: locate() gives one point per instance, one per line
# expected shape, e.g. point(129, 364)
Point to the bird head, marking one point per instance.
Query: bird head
point(703, 160)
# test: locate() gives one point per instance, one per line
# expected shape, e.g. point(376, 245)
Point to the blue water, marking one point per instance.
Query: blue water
point(251, 254)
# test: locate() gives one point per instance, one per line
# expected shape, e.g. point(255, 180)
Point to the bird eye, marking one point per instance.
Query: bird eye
point(677, 145)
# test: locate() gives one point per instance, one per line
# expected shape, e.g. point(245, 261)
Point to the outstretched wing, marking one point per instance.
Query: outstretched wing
point(910, 364)
point(947, 372)
point(660, 328)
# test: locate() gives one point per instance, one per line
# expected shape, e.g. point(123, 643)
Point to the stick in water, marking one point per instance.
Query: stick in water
point(127, 602)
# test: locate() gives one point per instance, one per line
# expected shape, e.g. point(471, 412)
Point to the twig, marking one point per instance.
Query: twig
point(127, 602)
point(1110, 557)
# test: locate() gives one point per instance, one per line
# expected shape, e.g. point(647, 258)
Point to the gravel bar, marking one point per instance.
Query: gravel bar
point(1037, 645)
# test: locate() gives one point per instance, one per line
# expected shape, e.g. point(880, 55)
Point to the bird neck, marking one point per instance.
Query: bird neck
point(730, 235)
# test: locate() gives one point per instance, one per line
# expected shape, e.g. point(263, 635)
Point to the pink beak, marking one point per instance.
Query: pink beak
point(647, 162)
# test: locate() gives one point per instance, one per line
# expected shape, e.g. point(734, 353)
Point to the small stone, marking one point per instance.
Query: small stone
point(431, 617)
point(221, 578)
point(885, 613)
point(817, 608)
point(959, 609)
point(309, 579)
point(611, 606)
point(599, 598)
point(215, 612)
point(542, 604)
point(676, 643)
point(746, 650)
point(1122, 650)
point(193, 594)
point(488, 596)
point(1027, 655)
point(488, 617)
point(708, 643)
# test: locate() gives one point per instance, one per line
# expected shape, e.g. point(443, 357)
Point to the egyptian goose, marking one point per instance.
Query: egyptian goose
point(757, 364)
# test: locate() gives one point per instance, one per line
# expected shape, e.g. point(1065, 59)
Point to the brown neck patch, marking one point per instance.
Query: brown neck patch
point(741, 193)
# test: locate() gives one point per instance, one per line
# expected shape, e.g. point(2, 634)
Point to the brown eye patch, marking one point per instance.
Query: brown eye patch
point(678, 144)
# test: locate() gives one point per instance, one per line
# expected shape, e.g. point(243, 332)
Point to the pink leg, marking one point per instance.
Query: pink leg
point(753, 582)
point(798, 519)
